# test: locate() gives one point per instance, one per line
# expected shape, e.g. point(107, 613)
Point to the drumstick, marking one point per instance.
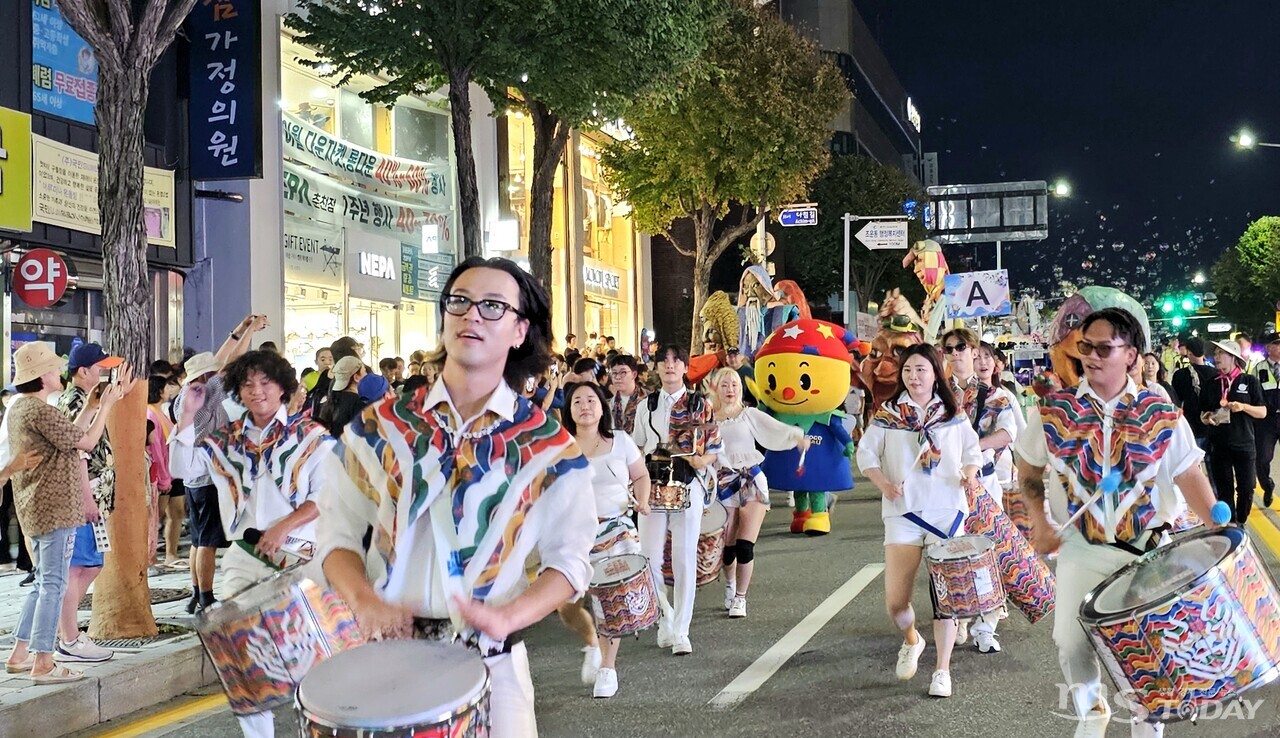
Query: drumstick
point(800, 466)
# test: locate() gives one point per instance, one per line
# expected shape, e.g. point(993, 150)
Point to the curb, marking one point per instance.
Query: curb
point(128, 683)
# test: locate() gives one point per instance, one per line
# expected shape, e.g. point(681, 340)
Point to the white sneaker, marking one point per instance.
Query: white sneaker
point(739, 607)
point(1146, 730)
point(962, 631)
point(590, 664)
point(82, 650)
point(666, 639)
point(730, 590)
point(1094, 725)
point(909, 658)
point(682, 646)
point(606, 683)
point(941, 684)
point(987, 642)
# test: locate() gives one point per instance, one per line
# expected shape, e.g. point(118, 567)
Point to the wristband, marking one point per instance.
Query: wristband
point(233, 335)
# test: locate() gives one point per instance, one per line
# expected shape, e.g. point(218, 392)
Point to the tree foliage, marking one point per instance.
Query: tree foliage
point(748, 125)
point(861, 186)
point(1246, 278)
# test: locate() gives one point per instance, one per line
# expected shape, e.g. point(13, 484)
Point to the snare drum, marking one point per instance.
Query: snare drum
point(1187, 625)
point(670, 489)
point(710, 546)
point(965, 577)
point(623, 597)
point(395, 689)
point(263, 641)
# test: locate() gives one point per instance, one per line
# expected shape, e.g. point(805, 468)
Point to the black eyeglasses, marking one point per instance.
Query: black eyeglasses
point(489, 309)
point(1103, 350)
point(954, 348)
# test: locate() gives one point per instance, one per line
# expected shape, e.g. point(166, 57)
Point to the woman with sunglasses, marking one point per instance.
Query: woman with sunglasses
point(616, 463)
point(920, 451)
point(742, 485)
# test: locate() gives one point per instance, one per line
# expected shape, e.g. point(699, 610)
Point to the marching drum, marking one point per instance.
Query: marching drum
point(623, 596)
point(263, 641)
point(397, 689)
point(965, 577)
point(710, 546)
point(1189, 624)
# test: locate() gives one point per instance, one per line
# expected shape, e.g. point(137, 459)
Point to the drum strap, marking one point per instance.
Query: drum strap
point(1153, 542)
point(955, 524)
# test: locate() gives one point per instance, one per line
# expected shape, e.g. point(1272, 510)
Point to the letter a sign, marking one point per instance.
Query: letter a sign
point(977, 294)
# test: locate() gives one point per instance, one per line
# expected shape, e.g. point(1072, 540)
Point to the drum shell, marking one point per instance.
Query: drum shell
point(264, 640)
point(1212, 642)
point(710, 551)
point(966, 587)
point(668, 498)
point(625, 606)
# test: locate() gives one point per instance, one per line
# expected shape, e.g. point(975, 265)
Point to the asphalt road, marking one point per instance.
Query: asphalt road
point(839, 683)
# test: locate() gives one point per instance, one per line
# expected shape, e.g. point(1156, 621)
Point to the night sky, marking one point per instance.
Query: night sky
point(1131, 102)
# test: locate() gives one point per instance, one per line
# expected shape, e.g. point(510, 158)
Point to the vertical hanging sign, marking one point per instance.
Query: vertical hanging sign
point(226, 100)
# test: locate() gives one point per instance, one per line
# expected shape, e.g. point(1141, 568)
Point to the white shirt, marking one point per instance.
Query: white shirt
point(1006, 421)
point(648, 438)
point(896, 454)
point(750, 427)
point(1181, 455)
point(610, 476)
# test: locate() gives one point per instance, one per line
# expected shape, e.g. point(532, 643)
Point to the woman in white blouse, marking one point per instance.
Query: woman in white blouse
point(919, 451)
point(743, 487)
point(616, 462)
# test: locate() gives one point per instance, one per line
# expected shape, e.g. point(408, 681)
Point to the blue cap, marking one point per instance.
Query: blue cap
point(91, 354)
point(372, 387)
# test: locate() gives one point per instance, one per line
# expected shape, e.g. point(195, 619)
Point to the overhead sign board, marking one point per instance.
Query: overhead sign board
point(884, 234)
point(977, 294)
point(985, 213)
point(64, 71)
point(805, 215)
point(15, 170)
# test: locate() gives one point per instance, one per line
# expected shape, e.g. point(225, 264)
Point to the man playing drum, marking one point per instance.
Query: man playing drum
point(1105, 429)
point(682, 422)
point(461, 484)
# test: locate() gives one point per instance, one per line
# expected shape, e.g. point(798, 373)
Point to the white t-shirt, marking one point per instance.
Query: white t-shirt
point(609, 475)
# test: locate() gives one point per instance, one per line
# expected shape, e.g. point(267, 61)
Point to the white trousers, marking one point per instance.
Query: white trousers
point(1081, 567)
point(685, 527)
point(511, 695)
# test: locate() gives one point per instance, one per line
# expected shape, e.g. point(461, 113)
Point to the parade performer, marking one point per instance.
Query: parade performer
point(680, 422)
point(744, 490)
point(877, 374)
point(789, 292)
point(719, 336)
point(930, 266)
point(624, 375)
point(760, 311)
point(616, 463)
point(802, 375)
point(265, 467)
point(461, 484)
point(1064, 331)
point(919, 451)
point(1104, 429)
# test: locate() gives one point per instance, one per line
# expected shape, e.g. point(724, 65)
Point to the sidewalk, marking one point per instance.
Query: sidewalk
point(141, 674)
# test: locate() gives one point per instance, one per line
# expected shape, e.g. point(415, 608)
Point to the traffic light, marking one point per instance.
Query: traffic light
point(1166, 305)
point(1178, 307)
point(1178, 321)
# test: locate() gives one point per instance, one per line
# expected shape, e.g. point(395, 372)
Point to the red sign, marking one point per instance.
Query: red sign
point(40, 278)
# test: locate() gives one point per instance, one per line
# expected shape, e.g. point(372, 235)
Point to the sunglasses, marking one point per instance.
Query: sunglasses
point(1103, 350)
point(954, 348)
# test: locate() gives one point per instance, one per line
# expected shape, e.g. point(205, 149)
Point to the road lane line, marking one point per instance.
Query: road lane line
point(147, 725)
point(770, 661)
point(1266, 530)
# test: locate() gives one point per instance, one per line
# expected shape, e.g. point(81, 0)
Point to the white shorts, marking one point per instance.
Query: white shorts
point(899, 530)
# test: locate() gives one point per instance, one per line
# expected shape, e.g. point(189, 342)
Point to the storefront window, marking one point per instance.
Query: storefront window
point(356, 120)
point(420, 134)
point(419, 327)
point(373, 324)
point(312, 321)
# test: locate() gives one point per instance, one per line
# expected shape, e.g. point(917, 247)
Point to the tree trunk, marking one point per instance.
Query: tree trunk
point(121, 596)
point(468, 191)
point(703, 225)
point(550, 135)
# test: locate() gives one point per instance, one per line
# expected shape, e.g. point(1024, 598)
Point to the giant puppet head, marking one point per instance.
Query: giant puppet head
point(790, 293)
point(719, 327)
point(1066, 328)
point(930, 266)
point(760, 310)
point(900, 327)
point(804, 368)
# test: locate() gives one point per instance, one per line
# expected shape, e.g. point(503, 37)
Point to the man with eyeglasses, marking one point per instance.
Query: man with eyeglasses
point(1100, 430)
point(461, 483)
point(992, 417)
point(627, 395)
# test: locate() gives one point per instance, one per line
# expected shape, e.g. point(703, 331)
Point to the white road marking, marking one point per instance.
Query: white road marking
point(770, 661)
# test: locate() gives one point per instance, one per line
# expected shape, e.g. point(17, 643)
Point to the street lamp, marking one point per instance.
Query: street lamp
point(1246, 140)
point(1198, 279)
point(1062, 188)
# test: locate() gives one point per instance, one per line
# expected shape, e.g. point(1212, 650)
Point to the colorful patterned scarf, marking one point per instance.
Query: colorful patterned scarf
point(905, 416)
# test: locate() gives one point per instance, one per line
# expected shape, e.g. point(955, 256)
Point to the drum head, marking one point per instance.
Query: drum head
point(960, 547)
point(714, 518)
point(1160, 574)
point(391, 684)
point(613, 569)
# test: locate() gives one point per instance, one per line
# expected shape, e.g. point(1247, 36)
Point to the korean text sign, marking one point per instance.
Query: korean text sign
point(64, 72)
point(226, 119)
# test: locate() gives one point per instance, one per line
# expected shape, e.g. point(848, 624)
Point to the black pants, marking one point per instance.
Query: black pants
point(1234, 473)
point(7, 513)
point(1265, 436)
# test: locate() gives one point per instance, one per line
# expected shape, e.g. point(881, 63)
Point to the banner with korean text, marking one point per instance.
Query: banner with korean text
point(312, 195)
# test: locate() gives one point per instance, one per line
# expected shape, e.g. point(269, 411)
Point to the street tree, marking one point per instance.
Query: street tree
point(1246, 278)
point(128, 40)
point(861, 186)
point(748, 125)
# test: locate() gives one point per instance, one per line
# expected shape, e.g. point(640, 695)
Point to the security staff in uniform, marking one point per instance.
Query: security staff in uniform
point(1266, 431)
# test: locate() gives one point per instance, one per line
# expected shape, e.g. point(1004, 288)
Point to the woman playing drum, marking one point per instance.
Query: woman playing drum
point(615, 462)
point(742, 486)
point(918, 451)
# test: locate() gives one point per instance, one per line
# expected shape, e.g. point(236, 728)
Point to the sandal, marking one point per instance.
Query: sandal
point(59, 675)
point(178, 564)
point(21, 667)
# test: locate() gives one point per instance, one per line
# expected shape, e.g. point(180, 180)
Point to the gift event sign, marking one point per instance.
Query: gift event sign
point(65, 189)
point(313, 254)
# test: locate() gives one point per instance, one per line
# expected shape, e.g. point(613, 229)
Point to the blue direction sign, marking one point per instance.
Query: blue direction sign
point(805, 215)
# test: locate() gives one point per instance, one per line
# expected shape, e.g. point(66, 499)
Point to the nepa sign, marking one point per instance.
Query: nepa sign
point(377, 266)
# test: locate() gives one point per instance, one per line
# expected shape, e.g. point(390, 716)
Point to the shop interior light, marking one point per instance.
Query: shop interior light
point(504, 235)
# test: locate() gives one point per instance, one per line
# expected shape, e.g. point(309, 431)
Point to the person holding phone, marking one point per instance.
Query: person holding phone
point(1229, 406)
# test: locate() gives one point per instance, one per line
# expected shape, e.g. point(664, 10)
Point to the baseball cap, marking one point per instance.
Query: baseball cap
point(346, 368)
point(91, 354)
point(1271, 337)
point(372, 387)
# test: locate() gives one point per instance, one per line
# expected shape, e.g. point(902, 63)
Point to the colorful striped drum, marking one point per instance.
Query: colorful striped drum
point(623, 597)
point(715, 517)
point(965, 577)
point(1028, 582)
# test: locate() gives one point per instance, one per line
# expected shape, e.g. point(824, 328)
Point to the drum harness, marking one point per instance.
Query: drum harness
point(696, 406)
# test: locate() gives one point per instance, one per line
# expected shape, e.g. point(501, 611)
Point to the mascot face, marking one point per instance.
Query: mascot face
point(804, 368)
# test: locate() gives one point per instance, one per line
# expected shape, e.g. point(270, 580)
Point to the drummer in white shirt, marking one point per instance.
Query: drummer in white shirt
point(919, 450)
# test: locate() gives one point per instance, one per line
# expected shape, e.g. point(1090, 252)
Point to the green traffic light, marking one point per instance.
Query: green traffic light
point(1166, 306)
point(1188, 304)
point(1178, 322)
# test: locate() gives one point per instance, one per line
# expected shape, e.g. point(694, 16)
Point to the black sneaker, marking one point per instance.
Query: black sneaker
point(193, 603)
point(1268, 497)
point(28, 580)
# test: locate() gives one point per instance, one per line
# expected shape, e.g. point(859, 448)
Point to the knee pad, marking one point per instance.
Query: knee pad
point(746, 551)
point(730, 555)
point(904, 618)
